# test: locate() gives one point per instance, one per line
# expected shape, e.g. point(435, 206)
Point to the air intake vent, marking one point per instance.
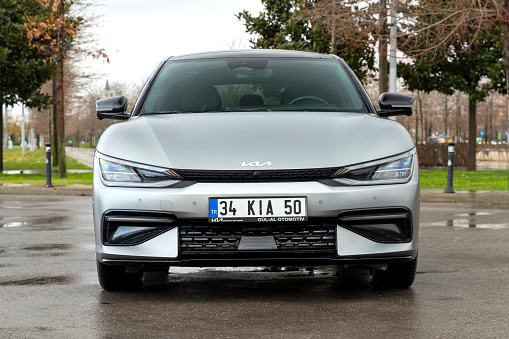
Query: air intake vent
point(313, 235)
point(392, 225)
point(133, 228)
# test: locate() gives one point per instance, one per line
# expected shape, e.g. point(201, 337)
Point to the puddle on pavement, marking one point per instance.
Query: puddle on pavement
point(13, 224)
point(287, 269)
point(6, 265)
point(186, 270)
point(464, 223)
point(50, 247)
point(469, 220)
point(54, 280)
point(32, 221)
point(47, 228)
point(473, 214)
point(52, 250)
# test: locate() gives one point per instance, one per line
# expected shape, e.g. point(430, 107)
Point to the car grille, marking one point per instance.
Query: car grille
point(200, 236)
point(257, 175)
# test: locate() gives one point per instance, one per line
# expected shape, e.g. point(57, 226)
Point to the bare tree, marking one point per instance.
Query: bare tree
point(357, 23)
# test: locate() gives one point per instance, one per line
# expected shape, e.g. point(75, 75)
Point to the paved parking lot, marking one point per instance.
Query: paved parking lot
point(48, 285)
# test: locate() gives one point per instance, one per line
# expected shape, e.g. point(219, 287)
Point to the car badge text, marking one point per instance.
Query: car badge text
point(256, 164)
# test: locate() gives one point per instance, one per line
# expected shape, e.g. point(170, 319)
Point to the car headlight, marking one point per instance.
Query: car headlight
point(116, 172)
point(393, 170)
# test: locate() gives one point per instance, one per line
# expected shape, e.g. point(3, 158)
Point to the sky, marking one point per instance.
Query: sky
point(138, 35)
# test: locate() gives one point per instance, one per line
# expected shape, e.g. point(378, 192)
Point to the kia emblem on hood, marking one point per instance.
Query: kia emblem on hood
point(256, 164)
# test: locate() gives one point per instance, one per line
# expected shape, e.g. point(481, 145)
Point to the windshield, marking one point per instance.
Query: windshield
point(251, 84)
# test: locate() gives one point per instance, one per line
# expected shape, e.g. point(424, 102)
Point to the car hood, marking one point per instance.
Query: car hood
point(227, 141)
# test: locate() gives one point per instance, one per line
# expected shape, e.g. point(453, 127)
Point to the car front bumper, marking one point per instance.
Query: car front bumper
point(324, 202)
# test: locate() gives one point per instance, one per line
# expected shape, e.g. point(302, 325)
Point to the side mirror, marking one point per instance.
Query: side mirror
point(112, 108)
point(395, 104)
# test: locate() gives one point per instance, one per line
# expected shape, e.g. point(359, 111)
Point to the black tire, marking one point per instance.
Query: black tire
point(115, 278)
point(397, 275)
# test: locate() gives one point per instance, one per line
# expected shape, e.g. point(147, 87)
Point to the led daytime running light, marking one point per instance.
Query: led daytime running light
point(393, 170)
point(119, 173)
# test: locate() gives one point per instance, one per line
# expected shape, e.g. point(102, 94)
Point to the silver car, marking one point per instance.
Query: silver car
point(255, 158)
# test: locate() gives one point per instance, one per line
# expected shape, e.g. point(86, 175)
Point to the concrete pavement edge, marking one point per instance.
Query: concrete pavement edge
point(73, 190)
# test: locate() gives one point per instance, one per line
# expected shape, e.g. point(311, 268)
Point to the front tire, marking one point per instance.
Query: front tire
point(115, 278)
point(397, 275)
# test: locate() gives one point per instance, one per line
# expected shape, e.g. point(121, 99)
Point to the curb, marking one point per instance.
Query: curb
point(489, 198)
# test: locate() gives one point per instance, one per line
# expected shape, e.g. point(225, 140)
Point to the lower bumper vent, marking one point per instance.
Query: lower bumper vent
point(133, 228)
point(392, 225)
point(200, 236)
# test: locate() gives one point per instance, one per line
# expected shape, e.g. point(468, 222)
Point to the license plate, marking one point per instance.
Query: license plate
point(257, 209)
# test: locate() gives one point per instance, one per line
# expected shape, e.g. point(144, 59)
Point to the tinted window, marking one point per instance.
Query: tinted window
point(245, 84)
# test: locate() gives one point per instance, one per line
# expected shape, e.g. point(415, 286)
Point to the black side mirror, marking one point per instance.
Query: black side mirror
point(392, 104)
point(112, 108)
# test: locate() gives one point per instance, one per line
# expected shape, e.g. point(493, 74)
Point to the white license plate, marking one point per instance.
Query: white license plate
point(257, 209)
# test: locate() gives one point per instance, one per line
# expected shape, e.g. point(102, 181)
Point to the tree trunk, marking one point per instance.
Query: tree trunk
point(383, 76)
point(333, 47)
point(53, 124)
point(446, 116)
point(472, 134)
point(1, 137)
point(421, 116)
point(417, 128)
point(62, 167)
point(485, 141)
point(489, 129)
point(458, 116)
point(505, 45)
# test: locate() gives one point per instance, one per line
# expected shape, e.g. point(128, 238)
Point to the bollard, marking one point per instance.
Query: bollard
point(450, 167)
point(48, 166)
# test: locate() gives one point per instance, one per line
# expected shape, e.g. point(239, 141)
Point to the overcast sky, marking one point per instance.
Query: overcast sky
point(137, 35)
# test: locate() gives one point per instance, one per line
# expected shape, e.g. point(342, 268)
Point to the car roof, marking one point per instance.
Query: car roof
point(253, 53)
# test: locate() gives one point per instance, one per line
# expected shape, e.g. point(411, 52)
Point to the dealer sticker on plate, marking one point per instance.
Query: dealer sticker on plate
point(257, 209)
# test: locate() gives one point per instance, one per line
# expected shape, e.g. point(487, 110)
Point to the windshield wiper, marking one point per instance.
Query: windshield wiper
point(245, 110)
point(255, 110)
point(162, 112)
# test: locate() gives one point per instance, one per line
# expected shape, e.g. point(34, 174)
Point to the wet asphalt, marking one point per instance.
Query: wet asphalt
point(49, 289)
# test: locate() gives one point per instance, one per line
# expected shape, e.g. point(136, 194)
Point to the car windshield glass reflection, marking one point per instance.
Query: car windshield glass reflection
point(252, 84)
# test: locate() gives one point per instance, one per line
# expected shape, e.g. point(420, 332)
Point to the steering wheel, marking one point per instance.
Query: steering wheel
point(309, 97)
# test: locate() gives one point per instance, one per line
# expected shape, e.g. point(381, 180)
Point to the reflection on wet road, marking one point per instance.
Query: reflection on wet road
point(32, 221)
point(473, 218)
point(49, 288)
point(40, 281)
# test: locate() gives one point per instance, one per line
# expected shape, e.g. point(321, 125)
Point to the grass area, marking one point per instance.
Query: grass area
point(36, 160)
point(466, 181)
point(40, 179)
point(434, 179)
point(86, 145)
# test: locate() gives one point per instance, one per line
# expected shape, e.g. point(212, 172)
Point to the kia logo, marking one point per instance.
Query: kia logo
point(256, 164)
